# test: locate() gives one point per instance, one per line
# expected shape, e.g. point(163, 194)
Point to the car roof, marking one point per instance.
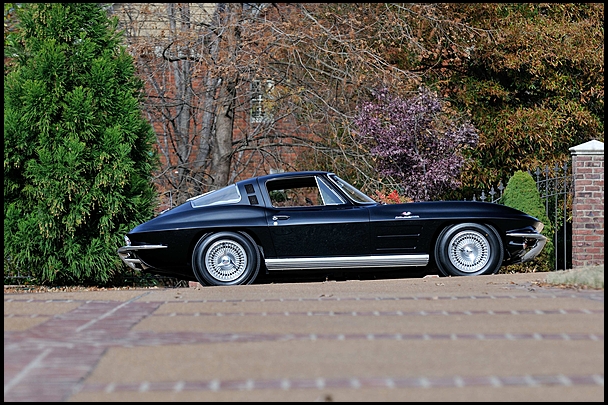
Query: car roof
point(288, 174)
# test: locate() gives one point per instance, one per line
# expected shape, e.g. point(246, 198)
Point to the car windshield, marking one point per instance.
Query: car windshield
point(226, 195)
point(355, 194)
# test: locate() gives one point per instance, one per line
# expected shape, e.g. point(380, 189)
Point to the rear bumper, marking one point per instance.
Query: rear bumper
point(128, 254)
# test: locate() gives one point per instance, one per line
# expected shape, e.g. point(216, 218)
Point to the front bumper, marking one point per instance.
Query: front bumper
point(532, 244)
point(128, 254)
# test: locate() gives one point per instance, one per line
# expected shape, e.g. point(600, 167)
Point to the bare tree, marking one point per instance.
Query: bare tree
point(311, 63)
point(187, 54)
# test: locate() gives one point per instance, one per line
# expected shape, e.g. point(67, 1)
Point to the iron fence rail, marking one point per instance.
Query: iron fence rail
point(555, 187)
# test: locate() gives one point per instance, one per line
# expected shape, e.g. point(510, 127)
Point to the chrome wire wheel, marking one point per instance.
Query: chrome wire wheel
point(469, 251)
point(226, 260)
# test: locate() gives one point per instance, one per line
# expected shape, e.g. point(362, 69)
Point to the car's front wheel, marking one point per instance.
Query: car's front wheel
point(469, 249)
point(226, 258)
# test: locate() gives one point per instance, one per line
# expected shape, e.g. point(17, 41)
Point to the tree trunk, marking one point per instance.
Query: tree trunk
point(220, 163)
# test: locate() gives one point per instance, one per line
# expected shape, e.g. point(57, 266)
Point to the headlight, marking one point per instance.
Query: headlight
point(127, 240)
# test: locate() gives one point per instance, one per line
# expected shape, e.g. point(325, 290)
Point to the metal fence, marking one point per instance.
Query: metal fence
point(556, 192)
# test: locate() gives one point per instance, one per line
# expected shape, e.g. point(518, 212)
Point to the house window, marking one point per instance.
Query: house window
point(261, 100)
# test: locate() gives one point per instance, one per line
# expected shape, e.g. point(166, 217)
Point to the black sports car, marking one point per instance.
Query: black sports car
point(316, 221)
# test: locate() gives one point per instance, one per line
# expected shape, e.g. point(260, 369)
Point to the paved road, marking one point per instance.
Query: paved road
point(488, 338)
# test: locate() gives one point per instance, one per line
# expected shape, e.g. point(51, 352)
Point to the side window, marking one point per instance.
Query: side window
point(328, 195)
point(296, 197)
point(296, 192)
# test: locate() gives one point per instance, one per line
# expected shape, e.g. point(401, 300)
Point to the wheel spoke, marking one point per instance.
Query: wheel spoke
point(469, 251)
point(226, 260)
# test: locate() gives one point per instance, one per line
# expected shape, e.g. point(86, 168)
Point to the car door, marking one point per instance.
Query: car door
point(306, 223)
point(320, 231)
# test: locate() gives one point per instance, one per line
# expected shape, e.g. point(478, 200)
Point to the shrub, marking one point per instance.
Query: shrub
point(521, 193)
point(415, 142)
point(392, 197)
point(78, 154)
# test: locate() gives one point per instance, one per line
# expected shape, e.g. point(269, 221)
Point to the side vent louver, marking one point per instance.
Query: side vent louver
point(249, 188)
point(253, 200)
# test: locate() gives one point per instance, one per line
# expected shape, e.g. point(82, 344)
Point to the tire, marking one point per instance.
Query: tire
point(469, 249)
point(226, 258)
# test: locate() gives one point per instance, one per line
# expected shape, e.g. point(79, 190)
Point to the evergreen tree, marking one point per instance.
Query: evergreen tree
point(521, 193)
point(78, 155)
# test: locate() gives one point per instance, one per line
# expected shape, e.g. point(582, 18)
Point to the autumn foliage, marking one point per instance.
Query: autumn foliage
point(393, 197)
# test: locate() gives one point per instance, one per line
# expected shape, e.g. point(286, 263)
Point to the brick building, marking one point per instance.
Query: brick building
point(264, 140)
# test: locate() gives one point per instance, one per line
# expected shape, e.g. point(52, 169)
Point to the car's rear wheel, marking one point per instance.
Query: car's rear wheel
point(226, 258)
point(469, 249)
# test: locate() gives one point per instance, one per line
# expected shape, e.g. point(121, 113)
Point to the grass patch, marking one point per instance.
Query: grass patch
point(587, 276)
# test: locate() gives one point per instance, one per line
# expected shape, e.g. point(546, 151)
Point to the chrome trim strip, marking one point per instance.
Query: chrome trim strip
point(125, 249)
point(314, 263)
point(526, 235)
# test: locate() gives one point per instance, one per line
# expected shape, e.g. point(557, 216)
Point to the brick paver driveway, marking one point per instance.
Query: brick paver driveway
point(487, 338)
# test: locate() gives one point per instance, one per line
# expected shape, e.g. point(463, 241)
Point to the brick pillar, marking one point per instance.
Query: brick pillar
point(588, 204)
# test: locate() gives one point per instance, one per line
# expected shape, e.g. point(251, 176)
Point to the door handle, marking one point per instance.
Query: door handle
point(278, 217)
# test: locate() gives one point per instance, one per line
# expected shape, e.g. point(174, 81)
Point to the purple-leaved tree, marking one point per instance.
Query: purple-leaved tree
point(416, 142)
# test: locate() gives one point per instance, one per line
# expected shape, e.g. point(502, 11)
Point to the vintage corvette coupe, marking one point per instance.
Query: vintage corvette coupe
point(315, 220)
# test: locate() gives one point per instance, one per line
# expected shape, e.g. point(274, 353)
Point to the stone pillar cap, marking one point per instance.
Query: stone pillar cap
point(593, 147)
